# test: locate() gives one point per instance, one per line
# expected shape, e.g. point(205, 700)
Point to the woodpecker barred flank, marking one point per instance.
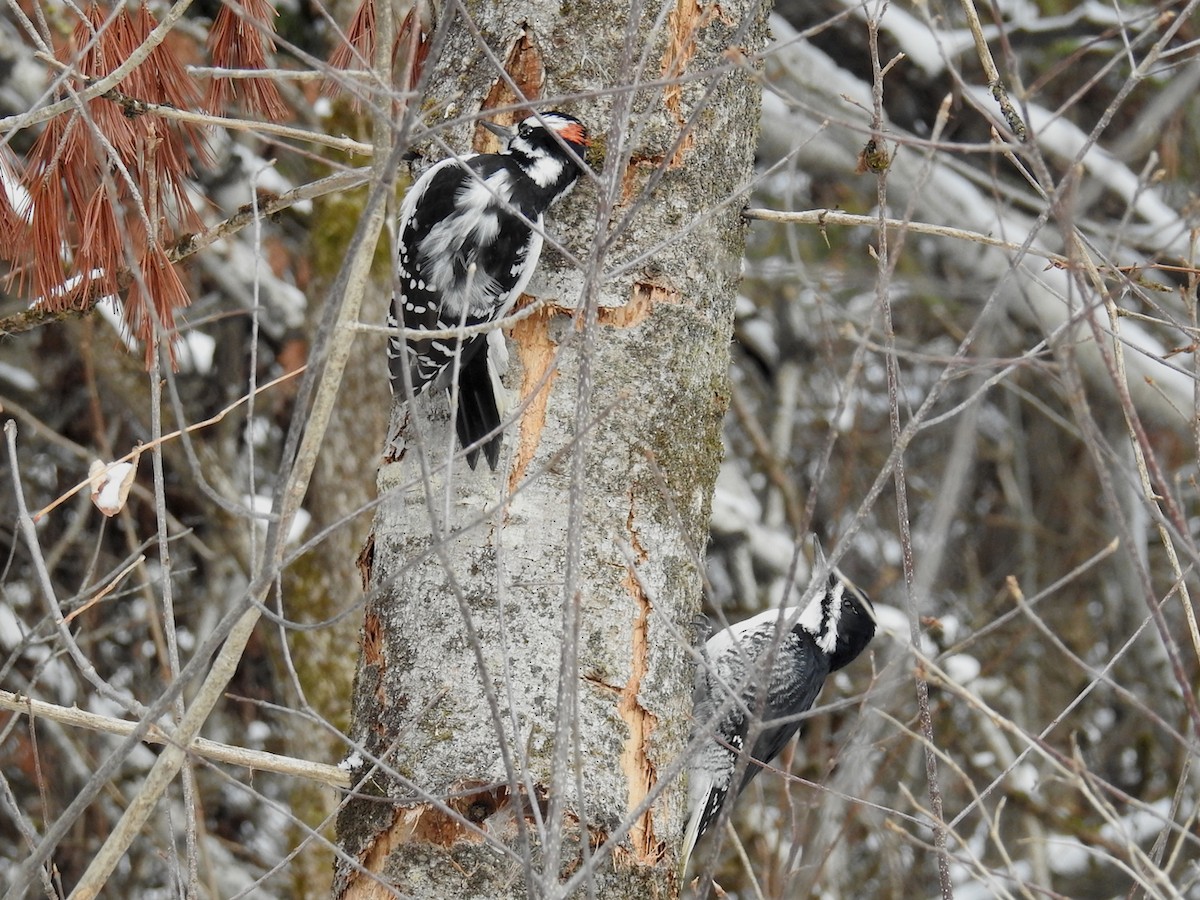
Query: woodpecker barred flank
point(470, 237)
point(828, 634)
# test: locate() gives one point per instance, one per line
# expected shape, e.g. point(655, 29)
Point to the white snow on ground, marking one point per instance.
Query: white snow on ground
point(260, 505)
point(963, 669)
point(19, 378)
point(11, 632)
point(195, 351)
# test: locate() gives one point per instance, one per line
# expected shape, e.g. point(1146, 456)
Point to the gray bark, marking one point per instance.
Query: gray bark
point(541, 615)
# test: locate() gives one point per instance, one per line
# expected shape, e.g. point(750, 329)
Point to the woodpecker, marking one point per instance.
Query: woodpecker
point(470, 236)
point(826, 635)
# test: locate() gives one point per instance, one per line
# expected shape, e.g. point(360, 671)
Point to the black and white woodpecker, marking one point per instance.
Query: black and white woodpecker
point(471, 231)
point(833, 629)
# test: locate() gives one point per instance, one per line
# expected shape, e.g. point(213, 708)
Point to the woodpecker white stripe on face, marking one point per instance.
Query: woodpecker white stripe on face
point(546, 170)
point(732, 685)
point(471, 232)
point(820, 618)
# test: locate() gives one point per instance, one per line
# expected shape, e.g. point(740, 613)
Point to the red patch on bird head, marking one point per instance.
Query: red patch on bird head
point(574, 133)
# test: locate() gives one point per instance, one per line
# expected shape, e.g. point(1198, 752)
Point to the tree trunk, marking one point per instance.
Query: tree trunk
point(526, 671)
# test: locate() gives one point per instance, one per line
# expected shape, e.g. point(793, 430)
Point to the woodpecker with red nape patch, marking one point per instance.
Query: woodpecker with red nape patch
point(471, 231)
point(826, 635)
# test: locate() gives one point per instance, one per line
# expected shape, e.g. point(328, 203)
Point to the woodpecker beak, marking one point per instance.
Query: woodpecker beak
point(498, 130)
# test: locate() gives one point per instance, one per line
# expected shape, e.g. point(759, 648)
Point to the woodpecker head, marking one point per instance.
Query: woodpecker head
point(854, 621)
point(536, 135)
point(549, 148)
point(841, 619)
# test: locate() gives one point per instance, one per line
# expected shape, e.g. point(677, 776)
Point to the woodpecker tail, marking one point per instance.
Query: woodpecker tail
point(478, 415)
point(704, 815)
point(690, 835)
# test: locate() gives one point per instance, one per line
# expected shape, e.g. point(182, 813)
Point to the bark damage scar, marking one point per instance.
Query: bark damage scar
point(640, 771)
point(372, 655)
point(426, 825)
point(363, 887)
point(394, 449)
point(366, 561)
point(637, 309)
point(372, 640)
point(537, 351)
point(636, 174)
point(684, 23)
point(525, 67)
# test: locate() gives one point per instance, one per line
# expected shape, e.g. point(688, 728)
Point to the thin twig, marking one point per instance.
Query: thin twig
point(28, 530)
point(824, 217)
point(347, 292)
point(999, 91)
point(108, 82)
point(258, 760)
point(132, 107)
point(197, 426)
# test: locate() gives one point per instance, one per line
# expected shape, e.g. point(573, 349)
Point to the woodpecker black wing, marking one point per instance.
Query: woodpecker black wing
point(464, 259)
point(486, 277)
point(797, 675)
point(419, 301)
point(796, 679)
point(733, 666)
